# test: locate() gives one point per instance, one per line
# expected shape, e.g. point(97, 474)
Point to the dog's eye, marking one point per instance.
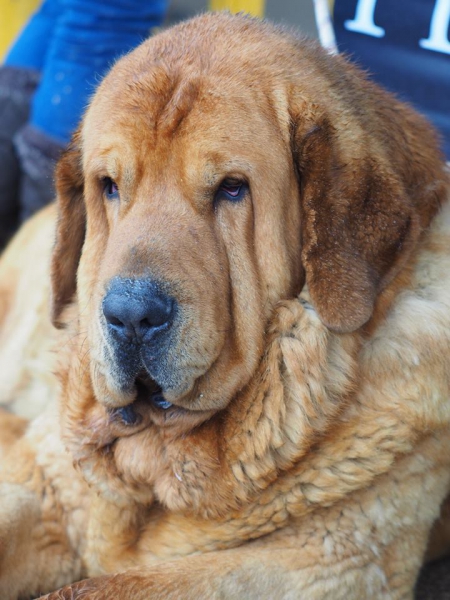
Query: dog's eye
point(231, 190)
point(110, 188)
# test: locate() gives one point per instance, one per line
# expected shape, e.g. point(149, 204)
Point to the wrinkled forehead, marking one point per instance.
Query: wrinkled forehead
point(175, 114)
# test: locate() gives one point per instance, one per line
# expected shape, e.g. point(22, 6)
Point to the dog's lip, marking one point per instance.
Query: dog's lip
point(151, 407)
point(148, 395)
point(127, 415)
point(147, 390)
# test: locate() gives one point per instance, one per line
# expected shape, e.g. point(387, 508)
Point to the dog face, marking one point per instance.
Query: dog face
point(218, 165)
point(184, 277)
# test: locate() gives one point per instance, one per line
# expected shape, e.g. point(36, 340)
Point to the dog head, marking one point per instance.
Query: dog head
point(219, 166)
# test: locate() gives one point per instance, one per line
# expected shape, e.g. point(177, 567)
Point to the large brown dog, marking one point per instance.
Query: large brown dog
point(252, 265)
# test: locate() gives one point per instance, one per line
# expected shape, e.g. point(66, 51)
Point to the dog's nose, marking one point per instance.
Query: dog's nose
point(136, 309)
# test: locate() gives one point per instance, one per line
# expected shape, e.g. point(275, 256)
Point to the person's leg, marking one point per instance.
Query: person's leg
point(89, 36)
point(16, 88)
point(19, 77)
point(38, 154)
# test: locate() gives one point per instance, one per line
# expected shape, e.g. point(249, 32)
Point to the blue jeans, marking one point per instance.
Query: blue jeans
point(74, 43)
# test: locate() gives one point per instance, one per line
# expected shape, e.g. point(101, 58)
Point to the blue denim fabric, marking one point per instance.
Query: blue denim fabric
point(86, 39)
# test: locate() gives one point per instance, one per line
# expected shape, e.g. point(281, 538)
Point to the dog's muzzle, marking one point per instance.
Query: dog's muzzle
point(138, 319)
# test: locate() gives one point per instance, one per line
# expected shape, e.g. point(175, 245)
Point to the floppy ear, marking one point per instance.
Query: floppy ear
point(359, 224)
point(70, 228)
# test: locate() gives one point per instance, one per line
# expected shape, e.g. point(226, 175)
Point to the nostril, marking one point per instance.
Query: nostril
point(145, 325)
point(110, 310)
point(114, 320)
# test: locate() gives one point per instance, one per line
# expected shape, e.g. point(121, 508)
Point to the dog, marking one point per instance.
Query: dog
point(250, 285)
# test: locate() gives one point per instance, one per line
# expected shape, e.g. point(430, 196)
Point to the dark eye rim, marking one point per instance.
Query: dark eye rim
point(110, 188)
point(231, 189)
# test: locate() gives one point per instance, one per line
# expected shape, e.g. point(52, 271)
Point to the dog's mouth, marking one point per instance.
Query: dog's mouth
point(148, 395)
point(150, 405)
point(150, 392)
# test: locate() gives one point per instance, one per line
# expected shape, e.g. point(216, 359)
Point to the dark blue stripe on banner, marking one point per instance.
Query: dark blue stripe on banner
point(397, 61)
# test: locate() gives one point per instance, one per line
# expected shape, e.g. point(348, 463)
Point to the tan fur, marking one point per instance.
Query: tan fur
point(307, 453)
point(27, 357)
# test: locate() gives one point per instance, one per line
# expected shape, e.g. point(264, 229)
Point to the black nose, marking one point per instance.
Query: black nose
point(137, 309)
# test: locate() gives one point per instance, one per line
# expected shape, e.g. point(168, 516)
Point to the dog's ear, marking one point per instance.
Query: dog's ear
point(70, 228)
point(364, 201)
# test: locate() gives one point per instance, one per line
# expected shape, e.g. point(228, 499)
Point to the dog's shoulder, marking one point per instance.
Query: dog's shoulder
point(407, 350)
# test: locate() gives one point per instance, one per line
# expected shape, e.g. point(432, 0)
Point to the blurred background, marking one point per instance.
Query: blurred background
point(299, 13)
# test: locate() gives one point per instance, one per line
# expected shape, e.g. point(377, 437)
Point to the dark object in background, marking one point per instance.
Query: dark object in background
point(16, 88)
point(405, 46)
